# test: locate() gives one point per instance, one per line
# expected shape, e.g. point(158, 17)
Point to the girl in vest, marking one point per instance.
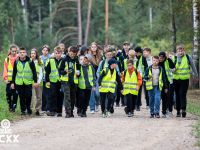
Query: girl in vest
point(155, 80)
point(132, 81)
point(86, 82)
point(108, 80)
point(37, 91)
point(11, 94)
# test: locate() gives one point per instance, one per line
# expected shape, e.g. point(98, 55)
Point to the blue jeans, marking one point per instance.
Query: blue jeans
point(94, 98)
point(154, 100)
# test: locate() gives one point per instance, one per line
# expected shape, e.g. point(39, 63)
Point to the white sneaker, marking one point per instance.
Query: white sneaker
point(147, 107)
point(108, 114)
point(92, 112)
point(170, 114)
point(97, 108)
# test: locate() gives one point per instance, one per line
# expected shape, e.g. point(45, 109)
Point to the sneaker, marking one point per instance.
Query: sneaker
point(126, 111)
point(184, 114)
point(23, 113)
point(129, 114)
point(138, 108)
point(108, 114)
point(117, 105)
point(178, 114)
point(170, 114)
point(37, 113)
point(152, 116)
point(92, 111)
point(50, 113)
point(97, 108)
point(164, 116)
point(29, 112)
point(72, 114)
point(104, 115)
point(59, 115)
point(157, 116)
point(112, 110)
point(83, 114)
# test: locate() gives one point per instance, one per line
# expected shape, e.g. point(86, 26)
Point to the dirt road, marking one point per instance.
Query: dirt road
point(94, 132)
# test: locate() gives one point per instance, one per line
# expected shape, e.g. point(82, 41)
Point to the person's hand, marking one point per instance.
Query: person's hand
point(166, 90)
point(137, 88)
point(12, 86)
point(35, 85)
point(48, 84)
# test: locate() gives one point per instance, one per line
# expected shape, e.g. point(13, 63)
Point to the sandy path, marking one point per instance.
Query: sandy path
point(117, 132)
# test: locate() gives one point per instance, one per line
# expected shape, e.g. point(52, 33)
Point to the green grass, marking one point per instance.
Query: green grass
point(194, 108)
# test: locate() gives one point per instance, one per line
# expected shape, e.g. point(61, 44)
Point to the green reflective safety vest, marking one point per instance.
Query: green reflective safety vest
point(65, 77)
point(81, 79)
point(125, 64)
point(168, 71)
point(141, 66)
point(9, 69)
point(130, 83)
point(75, 76)
point(37, 67)
point(149, 83)
point(24, 74)
point(54, 75)
point(108, 83)
point(182, 70)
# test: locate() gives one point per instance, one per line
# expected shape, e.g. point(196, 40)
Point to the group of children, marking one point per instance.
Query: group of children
point(81, 76)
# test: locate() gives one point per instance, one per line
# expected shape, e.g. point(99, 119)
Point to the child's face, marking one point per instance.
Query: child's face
point(33, 55)
point(57, 54)
point(146, 53)
point(45, 51)
point(180, 51)
point(155, 62)
point(22, 54)
point(109, 55)
point(161, 58)
point(130, 66)
point(85, 61)
point(72, 54)
point(126, 47)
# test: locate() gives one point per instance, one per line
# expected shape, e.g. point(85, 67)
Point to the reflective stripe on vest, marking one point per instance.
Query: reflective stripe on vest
point(168, 71)
point(108, 83)
point(65, 77)
point(125, 64)
point(182, 70)
point(130, 84)
point(24, 74)
point(81, 79)
point(149, 83)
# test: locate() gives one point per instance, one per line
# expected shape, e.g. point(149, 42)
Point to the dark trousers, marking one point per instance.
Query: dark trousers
point(146, 94)
point(73, 93)
point(84, 99)
point(106, 105)
point(45, 97)
point(25, 95)
point(138, 100)
point(55, 100)
point(181, 88)
point(11, 96)
point(130, 102)
point(118, 96)
point(167, 99)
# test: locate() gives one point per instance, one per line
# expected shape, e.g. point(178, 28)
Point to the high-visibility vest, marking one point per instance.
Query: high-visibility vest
point(54, 75)
point(65, 77)
point(108, 83)
point(140, 64)
point(9, 69)
point(130, 83)
point(182, 70)
point(149, 83)
point(37, 67)
point(168, 71)
point(81, 79)
point(24, 74)
point(75, 76)
point(125, 64)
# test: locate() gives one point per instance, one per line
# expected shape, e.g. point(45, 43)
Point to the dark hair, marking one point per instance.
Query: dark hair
point(163, 54)
point(73, 49)
point(22, 49)
point(147, 49)
point(156, 57)
point(46, 46)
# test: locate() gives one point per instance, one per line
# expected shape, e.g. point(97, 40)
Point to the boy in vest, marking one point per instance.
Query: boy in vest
point(167, 98)
point(155, 81)
point(181, 76)
point(45, 91)
point(11, 94)
point(86, 81)
point(70, 67)
point(132, 81)
point(24, 77)
point(52, 76)
point(107, 84)
point(141, 65)
point(148, 57)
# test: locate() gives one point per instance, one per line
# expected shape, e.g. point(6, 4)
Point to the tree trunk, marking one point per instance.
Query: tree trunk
point(150, 18)
point(106, 21)
point(51, 18)
point(173, 24)
point(195, 54)
point(88, 22)
point(39, 23)
point(25, 15)
point(79, 22)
